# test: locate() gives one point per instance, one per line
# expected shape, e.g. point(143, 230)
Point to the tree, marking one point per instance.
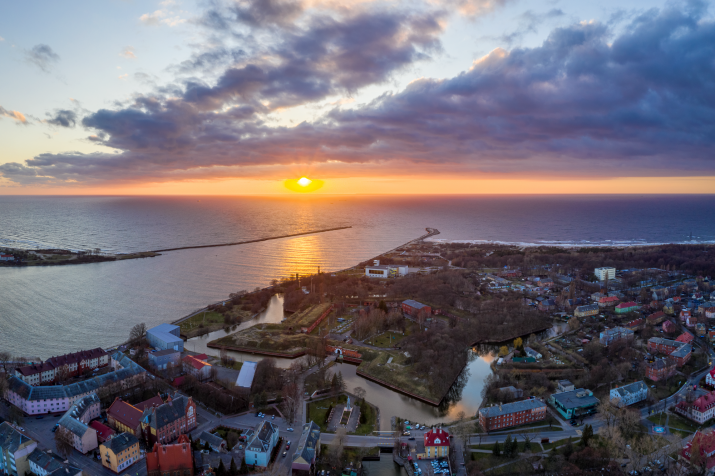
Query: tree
point(503, 351)
point(518, 344)
point(221, 470)
point(359, 393)
point(244, 467)
point(64, 441)
point(497, 450)
point(137, 333)
point(16, 415)
point(231, 439)
point(574, 323)
point(586, 435)
point(5, 358)
point(508, 448)
point(233, 469)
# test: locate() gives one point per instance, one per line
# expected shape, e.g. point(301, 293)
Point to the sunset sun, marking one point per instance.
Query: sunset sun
point(303, 184)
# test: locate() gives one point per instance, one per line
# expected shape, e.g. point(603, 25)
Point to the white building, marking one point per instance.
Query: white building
point(245, 376)
point(532, 353)
point(261, 444)
point(77, 419)
point(605, 273)
point(384, 271)
point(629, 394)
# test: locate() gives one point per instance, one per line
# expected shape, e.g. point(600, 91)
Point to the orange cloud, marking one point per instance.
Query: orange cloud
point(16, 115)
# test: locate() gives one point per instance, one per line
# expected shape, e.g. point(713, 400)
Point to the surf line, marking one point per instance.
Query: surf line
point(253, 241)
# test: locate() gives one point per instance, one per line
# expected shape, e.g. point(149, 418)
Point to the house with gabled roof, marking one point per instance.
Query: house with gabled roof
point(76, 422)
point(308, 448)
point(15, 447)
point(261, 444)
point(166, 422)
point(48, 464)
point(629, 394)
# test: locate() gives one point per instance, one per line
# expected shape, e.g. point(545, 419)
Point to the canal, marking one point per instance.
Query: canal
point(464, 396)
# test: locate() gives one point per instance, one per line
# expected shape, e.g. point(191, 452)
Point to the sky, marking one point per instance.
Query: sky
point(422, 96)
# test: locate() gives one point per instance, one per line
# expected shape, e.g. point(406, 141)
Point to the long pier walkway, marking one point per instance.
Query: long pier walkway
point(252, 241)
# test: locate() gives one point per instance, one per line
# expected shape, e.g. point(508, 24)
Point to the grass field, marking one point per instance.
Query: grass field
point(388, 339)
point(206, 318)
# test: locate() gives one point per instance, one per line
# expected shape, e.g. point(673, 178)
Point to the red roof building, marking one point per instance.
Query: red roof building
point(656, 317)
point(607, 301)
point(701, 410)
point(685, 337)
point(436, 443)
point(152, 402)
point(707, 448)
point(124, 417)
point(198, 368)
point(175, 459)
point(103, 432)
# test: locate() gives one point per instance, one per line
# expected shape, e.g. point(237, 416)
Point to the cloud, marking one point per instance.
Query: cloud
point(164, 17)
point(124, 76)
point(15, 115)
point(42, 56)
point(2, 39)
point(63, 118)
point(587, 101)
point(128, 53)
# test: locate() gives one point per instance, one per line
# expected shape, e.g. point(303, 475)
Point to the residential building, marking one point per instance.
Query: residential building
point(164, 423)
point(198, 368)
point(63, 367)
point(656, 318)
point(706, 443)
point(710, 312)
point(245, 376)
point(685, 315)
point(710, 378)
point(58, 398)
point(76, 423)
point(104, 433)
point(691, 321)
point(629, 394)
point(608, 301)
point(6, 257)
point(120, 452)
point(626, 307)
point(635, 324)
point(587, 310)
point(124, 417)
point(603, 274)
point(669, 327)
point(215, 442)
point(165, 359)
point(15, 448)
point(701, 329)
point(565, 386)
point(660, 369)
point(308, 448)
point(685, 337)
point(547, 305)
point(507, 415)
point(701, 410)
point(609, 336)
point(48, 464)
point(532, 353)
point(659, 293)
point(576, 403)
point(174, 459)
point(547, 282)
point(663, 346)
point(412, 307)
point(261, 444)
point(165, 336)
point(436, 443)
point(682, 355)
point(511, 391)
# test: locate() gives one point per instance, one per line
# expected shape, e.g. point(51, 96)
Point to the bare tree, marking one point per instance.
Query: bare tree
point(5, 358)
point(360, 393)
point(64, 441)
point(292, 401)
point(137, 333)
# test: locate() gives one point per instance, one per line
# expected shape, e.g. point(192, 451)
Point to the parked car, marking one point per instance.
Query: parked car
point(290, 429)
point(285, 453)
point(288, 445)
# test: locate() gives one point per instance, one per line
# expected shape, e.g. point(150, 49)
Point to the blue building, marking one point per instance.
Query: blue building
point(576, 403)
point(165, 336)
point(261, 444)
point(165, 359)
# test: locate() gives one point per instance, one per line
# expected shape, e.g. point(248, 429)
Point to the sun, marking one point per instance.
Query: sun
point(303, 184)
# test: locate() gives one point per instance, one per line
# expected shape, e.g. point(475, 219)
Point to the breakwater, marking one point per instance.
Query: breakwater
point(252, 241)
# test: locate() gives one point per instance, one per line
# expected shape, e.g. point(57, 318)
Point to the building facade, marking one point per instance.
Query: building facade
point(76, 423)
point(660, 369)
point(587, 310)
point(172, 459)
point(165, 359)
point(436, 444)
point(412, 307)
point(701, 410)
point(261, 444)
point(165, 423)
point(608, 301)
point(626, 307)
point(629, 394)
point(512, 414)
point(603, 274)
point(198, 368)
point(165, 336)
point(63, 367)
point(120, 452)
point(308, 448)
point(15, 448)
point(45, 464)
point(124, 417)
point(609, 336)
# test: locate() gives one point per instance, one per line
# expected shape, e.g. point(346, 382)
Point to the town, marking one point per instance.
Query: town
point(601, 360)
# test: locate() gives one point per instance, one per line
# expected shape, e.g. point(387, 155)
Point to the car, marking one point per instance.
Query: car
point(407, 433)
point(285, 453)
point(273, 417)
point(54, 429)
point(288, 445)
point(411, 438)
point(289, 429)
point(39, 417)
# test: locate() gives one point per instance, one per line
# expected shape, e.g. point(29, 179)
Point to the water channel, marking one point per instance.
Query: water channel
point(465, 394)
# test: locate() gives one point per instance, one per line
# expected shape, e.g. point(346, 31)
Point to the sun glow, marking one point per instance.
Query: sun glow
point(303, 185)
point(304, 181)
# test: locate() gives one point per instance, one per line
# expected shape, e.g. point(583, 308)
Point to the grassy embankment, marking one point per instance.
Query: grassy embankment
point(210, 321)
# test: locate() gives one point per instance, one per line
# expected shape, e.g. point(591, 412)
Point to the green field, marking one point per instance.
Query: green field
point(388, 339)
point(206, 318)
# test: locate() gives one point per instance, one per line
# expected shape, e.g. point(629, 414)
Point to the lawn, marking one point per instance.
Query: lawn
point(235, 365)
point(318, 411)
point(557, 444)
point(681, 423)
point(388, 339)
point(206, 318)
point(398, 375)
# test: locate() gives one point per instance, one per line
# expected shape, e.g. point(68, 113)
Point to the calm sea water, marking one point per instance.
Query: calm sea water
point(46, 311)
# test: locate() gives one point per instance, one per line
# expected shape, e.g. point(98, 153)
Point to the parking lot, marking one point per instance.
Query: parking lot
point(427, 467)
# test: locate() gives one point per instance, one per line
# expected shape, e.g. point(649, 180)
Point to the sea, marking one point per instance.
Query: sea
point(46, 311)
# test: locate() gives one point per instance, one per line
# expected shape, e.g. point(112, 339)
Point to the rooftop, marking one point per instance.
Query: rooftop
point(121, 443)
point(245, 376)
point(414, 304)
point(575, 399)
point(10, 439)
point(498, 410)
point(307, 443)
point(634, 387)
